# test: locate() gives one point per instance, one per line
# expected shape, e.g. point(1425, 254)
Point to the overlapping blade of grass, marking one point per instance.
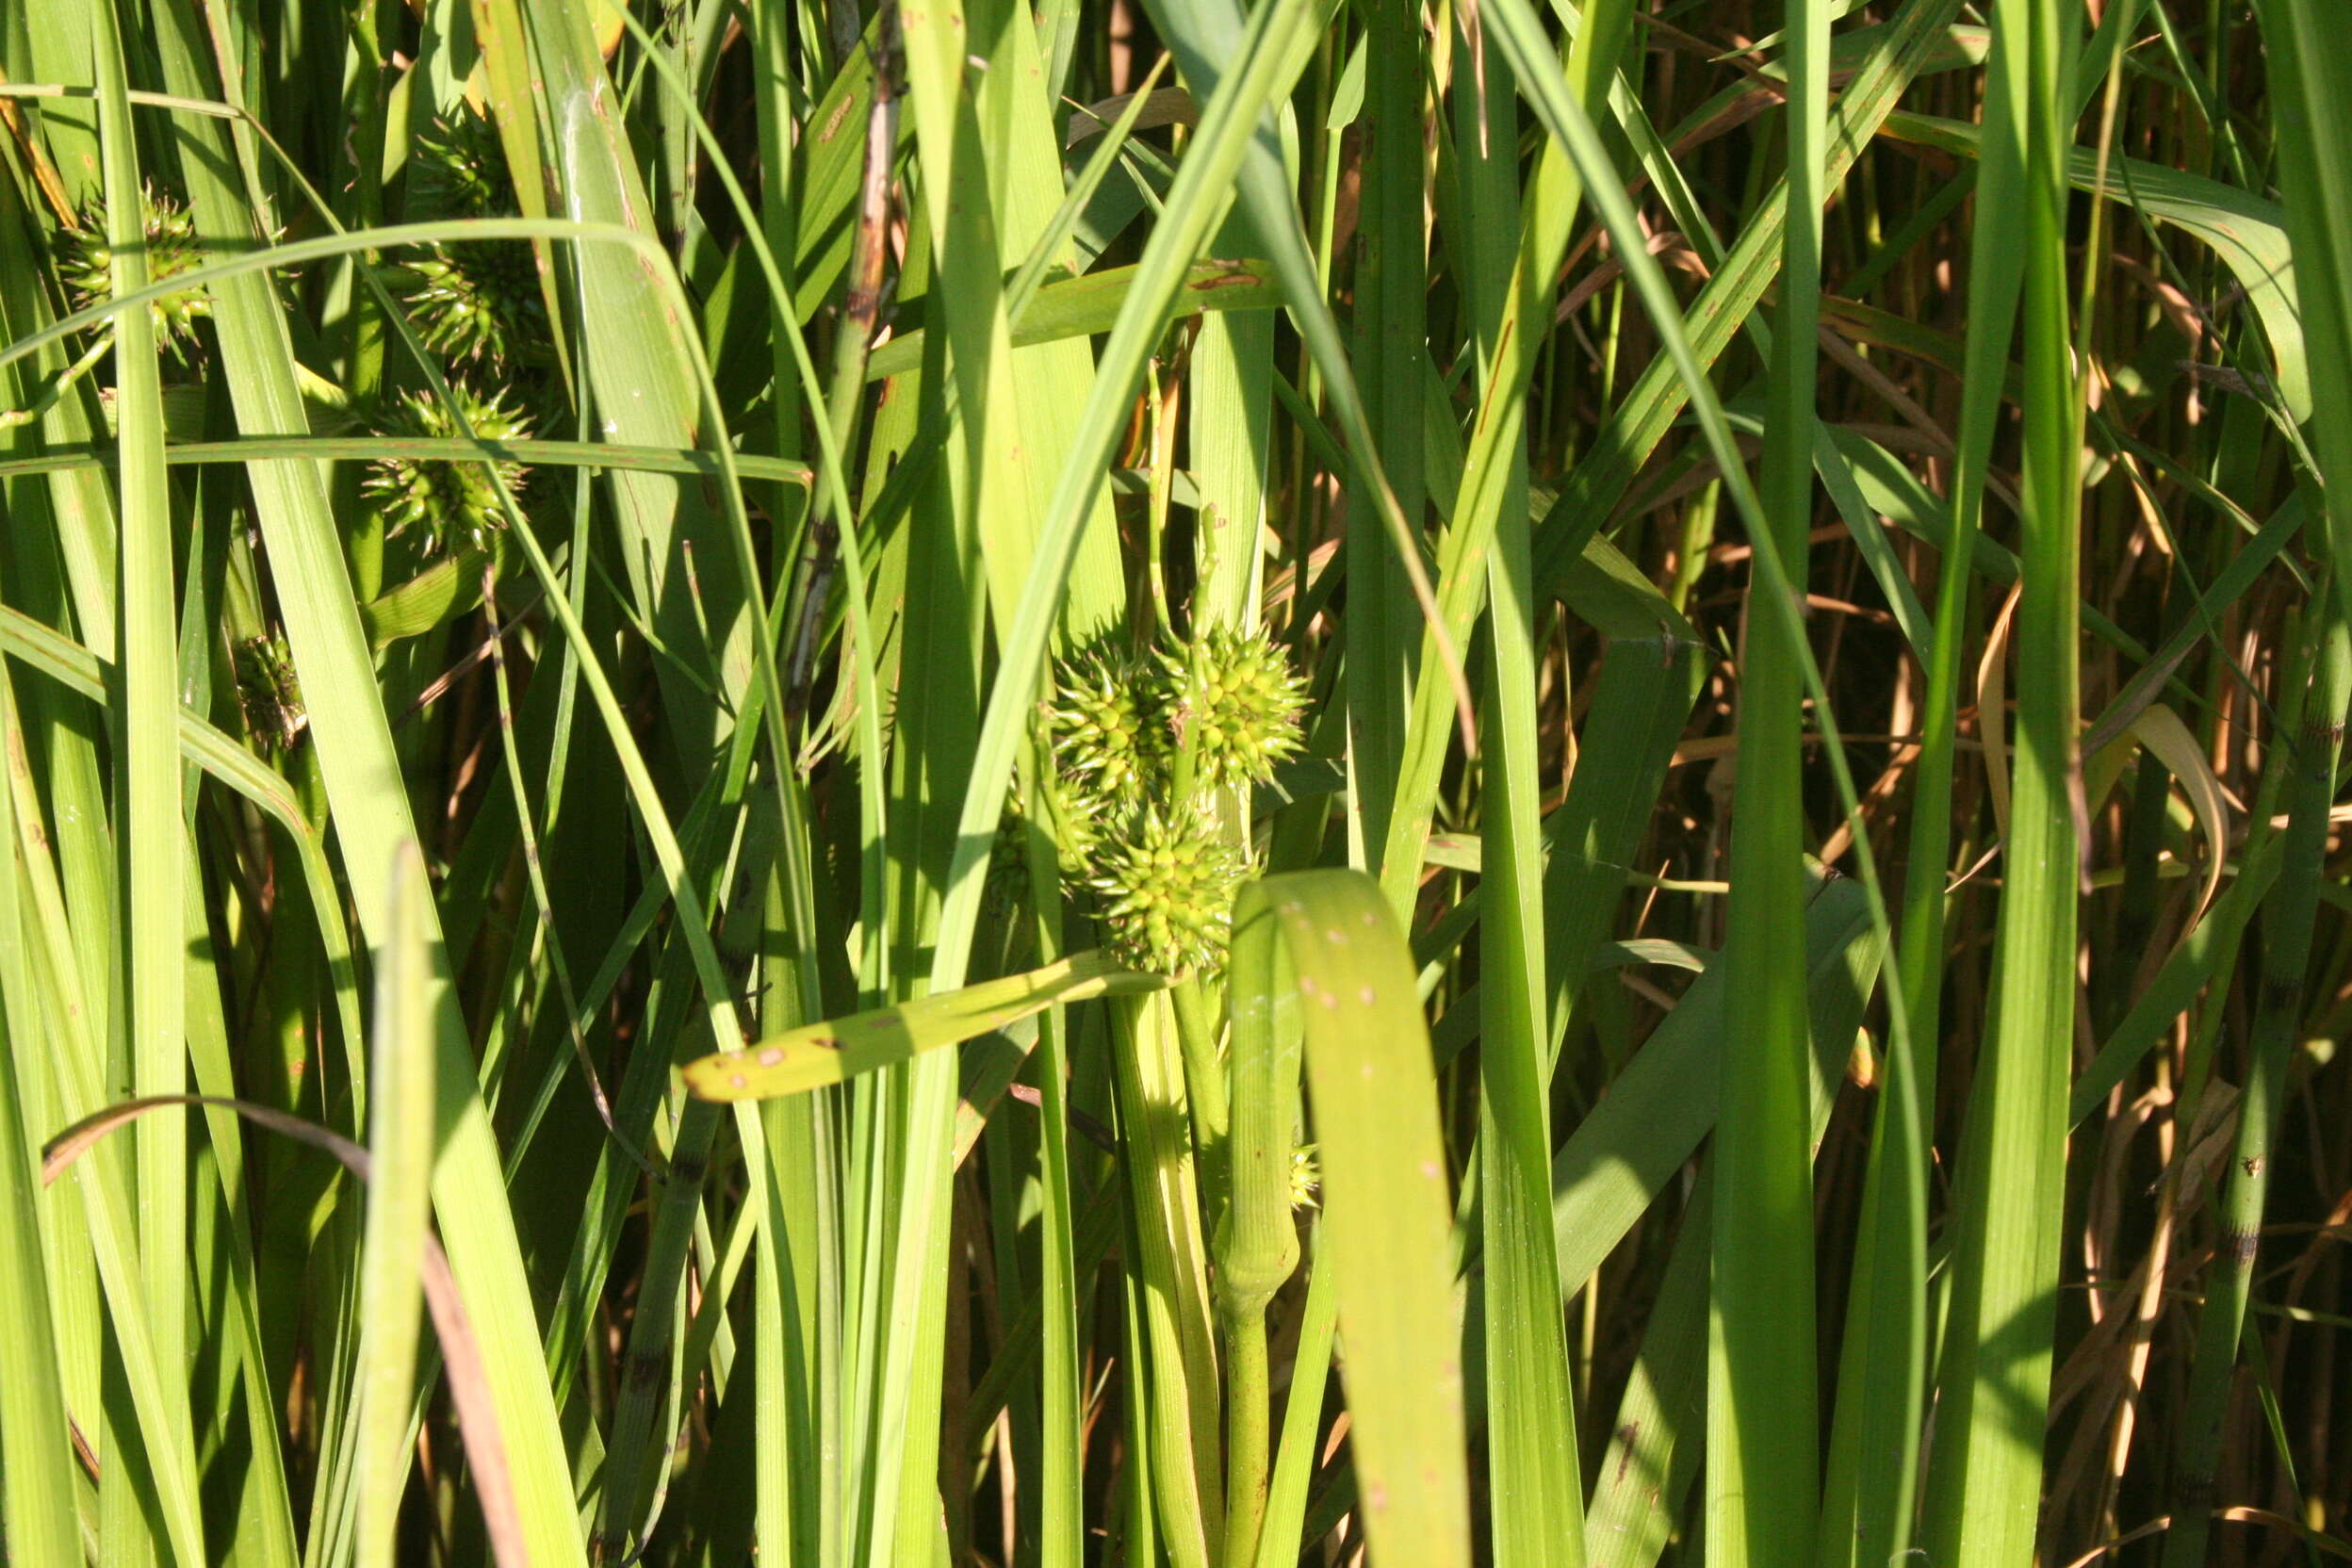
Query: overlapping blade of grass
point(63, 544)
point(202, 747)
point(1194, 202)
point(2312, 111)
point(1761, 1477)
point(801, 1250)
point(2313, 103)
point(992, 187)
point(979, 539)
point(1537, 1514)
point(1565, 120)
point(1204, 37)
point(1985, 1484)
point(1478, 481)
point(1387, 1221)
point(1652, 1454)
point(399, 1204)
point(1492, 492)
point(1020, 129)
point(132, 1380)
point(668, 393)
point(145, 710)
point(1642, 698)
point(2311, 752)
point(264, 1531)
point(38, 1486)
point(2244, 231)
point(1663, 1103)
point(642, 391)
point(1649, 409)
point(360, 774)
point(1655, 1447)
point(1872, 1468)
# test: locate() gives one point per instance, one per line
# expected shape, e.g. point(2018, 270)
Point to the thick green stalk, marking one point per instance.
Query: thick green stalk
point(1171, 1270)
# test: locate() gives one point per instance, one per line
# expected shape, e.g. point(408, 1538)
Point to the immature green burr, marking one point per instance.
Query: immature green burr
point(478, 302)
point(1236, 700)
point(452, 503)
point(1109, 720)
point(85, 262)
point(1168, 889)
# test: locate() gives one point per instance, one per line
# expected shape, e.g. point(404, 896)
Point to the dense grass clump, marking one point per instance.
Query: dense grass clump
point(1228, 784)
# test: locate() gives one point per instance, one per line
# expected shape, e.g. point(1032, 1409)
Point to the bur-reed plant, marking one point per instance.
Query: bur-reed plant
point(980, 784)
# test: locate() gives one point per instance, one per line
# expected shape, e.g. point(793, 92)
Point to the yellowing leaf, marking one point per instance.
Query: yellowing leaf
point(819, 1054)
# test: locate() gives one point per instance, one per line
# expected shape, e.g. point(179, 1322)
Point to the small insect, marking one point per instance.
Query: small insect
point(267, 692)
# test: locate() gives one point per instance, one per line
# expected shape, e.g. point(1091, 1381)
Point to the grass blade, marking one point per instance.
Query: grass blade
point(399, 1206)
point(1985, 1481)
point(1386, 1223)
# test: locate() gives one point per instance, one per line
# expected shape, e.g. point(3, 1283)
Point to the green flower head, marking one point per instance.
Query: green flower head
point(85, 262)
point(451, 503)
point(478, 302)
point(1168, 888)
point(457, 169)
point(1108, 722)
point(1237, 702)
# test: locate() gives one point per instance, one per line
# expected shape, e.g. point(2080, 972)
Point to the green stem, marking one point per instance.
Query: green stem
point(1204, 1081)
point(1248, 1397)
point(2286, 952)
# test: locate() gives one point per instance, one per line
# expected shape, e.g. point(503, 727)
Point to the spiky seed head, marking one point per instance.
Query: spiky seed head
point(1167, 885)
point(1076, 816)
point(479, 302)
point(86, 263)
point(1109, 732)
point(451, 503)
point(457, 169)
point(1237, 701)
